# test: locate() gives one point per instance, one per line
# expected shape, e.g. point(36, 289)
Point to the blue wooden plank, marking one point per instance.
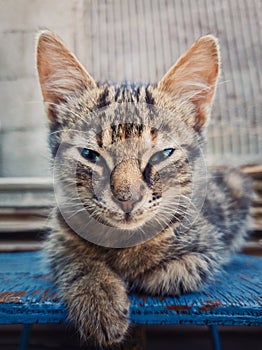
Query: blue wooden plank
point(234, 297)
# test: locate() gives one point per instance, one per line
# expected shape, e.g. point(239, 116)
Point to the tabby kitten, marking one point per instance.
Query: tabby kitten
point(131, 154)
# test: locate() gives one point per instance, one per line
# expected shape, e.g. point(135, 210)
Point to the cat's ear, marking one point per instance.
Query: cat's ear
point(60, 73)
point(194, 77)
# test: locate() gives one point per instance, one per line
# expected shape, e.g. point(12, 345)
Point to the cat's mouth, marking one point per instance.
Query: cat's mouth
point(122, 216)
point(127, 221)
point(128, 217)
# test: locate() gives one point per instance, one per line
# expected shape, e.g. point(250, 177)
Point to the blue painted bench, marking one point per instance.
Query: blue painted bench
point(27, 296)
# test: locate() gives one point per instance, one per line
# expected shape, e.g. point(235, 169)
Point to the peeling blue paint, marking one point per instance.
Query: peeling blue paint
point(27, 295)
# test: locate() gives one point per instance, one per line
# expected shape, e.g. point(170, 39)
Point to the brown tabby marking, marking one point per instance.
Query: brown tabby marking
point(93, 280)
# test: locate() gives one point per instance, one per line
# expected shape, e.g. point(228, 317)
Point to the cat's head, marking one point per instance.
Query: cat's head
point(130, 149)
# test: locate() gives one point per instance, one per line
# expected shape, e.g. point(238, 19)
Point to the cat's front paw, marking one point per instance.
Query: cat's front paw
point(100, 313)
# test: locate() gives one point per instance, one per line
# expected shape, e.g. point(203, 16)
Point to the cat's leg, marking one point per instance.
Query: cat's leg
point(98, 304)
point(183, 275)
point(95, 296)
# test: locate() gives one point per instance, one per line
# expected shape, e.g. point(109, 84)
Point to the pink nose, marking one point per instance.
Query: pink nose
point(127, 206)
point(127, 184)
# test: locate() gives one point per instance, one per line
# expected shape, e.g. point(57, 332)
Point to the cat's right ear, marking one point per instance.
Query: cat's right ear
point(193, 78)
point(60, 73)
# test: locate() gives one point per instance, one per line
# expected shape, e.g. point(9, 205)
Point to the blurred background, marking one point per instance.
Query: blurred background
point(136, 41)
point(124, 40)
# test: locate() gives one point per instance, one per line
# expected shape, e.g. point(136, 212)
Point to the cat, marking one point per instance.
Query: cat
point(132, 169)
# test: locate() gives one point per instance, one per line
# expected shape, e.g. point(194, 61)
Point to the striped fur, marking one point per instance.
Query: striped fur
point(127, 125)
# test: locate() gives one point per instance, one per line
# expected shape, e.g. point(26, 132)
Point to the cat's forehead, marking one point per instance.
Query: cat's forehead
point(120, 121)
point(124, 113)
point(121, 137)
point(126, 92)
point(128, 137)
point(119, 133)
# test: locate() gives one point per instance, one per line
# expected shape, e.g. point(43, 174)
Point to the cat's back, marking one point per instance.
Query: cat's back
point(227, 205)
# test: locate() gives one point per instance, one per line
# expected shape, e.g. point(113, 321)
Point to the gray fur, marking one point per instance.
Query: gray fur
point(194, 243)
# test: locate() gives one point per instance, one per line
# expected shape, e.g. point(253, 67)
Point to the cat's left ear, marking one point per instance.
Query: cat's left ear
point(60, 73)
point(194, 76)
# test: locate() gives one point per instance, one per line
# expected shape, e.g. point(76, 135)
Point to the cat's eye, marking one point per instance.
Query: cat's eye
point(160, 156)
point(90, 155)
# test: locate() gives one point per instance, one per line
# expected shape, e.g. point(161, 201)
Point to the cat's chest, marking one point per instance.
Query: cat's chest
point(133, 261)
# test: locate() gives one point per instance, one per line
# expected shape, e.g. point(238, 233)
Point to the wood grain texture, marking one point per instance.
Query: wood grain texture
point(27, 295)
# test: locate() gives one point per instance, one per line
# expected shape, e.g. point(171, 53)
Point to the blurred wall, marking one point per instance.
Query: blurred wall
point(133, 40)
point(23, 149)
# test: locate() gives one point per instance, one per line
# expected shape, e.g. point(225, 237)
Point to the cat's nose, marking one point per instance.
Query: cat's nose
point(126, 184)
point(127, 206)
point(126, 197)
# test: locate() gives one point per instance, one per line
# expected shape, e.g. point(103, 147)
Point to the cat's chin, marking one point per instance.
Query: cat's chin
point(127, 223)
